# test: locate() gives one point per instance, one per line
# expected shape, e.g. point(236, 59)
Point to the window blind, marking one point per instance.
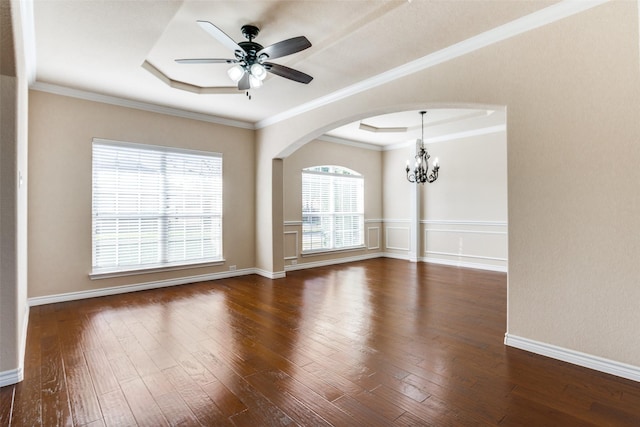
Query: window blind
point(154, 207)
point(332, 208)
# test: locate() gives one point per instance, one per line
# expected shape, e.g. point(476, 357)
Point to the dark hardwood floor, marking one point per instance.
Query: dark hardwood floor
point(377, 343)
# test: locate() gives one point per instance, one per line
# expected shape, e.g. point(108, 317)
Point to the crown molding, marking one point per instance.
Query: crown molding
point(351, 143)
point(467, 134)
point(450, 137)
point(511, 29)
point(139, 105)
point(442, 138)
point(23, 12)
point(176, 84)
point(538, 19)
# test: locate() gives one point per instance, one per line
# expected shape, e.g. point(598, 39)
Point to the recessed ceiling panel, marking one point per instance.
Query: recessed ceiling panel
point(100, 45)
point(437, 122)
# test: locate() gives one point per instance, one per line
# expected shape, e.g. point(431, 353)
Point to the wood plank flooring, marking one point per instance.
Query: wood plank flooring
point(377, 343)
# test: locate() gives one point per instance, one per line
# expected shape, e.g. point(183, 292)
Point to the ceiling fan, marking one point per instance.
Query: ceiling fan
point(251, 58)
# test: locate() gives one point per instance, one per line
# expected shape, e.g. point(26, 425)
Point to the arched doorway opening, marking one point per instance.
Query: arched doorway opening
point(460, 220)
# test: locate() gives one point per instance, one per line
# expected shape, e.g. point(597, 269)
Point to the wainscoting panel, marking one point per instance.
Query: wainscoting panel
point(474, 244)
point(397, 238)
point(291, 250)
point(373, 238)
point(295, 259)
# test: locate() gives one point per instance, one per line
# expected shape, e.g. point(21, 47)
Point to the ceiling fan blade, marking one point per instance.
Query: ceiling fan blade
point(288, 73)
point(220, 35)
point(243, 83)
point(285, 47)
point(206, 61)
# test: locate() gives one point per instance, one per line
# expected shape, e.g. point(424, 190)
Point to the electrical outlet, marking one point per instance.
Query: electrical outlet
point(294, 261)
point(232, 268)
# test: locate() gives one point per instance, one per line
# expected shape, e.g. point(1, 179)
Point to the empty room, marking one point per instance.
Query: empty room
point(315, 213)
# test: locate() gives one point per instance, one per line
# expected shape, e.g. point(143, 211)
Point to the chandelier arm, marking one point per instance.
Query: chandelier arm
point(410, 176)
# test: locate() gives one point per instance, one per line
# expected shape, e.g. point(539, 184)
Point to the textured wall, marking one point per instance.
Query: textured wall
point(61, 131)
point(13, 196)
point(572, 92)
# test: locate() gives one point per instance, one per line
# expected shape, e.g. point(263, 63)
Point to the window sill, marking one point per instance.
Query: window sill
point(107, 274)
point(332, 251)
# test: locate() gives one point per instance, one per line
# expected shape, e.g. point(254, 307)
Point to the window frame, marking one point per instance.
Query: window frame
point(334, 171)
point(163, 215)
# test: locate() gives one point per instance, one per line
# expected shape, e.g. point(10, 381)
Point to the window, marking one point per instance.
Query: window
point(332, 208)
point(154, 207)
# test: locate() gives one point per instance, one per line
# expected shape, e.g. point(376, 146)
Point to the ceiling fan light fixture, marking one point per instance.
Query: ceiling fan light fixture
point(235, 73)
point(254, 82)
point(250, 69)
point(257, 70)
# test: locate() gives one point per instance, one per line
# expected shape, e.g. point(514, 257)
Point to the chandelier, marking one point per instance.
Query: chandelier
point(420, 173)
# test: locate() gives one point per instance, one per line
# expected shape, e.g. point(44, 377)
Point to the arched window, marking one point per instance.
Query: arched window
point(332, 208)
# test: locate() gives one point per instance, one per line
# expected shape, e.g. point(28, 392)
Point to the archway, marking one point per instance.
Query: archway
point(471, 231)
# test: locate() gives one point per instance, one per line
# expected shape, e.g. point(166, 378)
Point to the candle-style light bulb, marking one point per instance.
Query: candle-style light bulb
point(235, 73)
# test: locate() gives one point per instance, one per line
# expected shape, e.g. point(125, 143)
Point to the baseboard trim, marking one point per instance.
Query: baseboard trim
point(465, 264)
point(11, 377)
point(478, 266)
point(600, 364)
point(23, 339)
point(270, 274)
point(115, 290)
point(462, 264)
point(333, 261)
point(394, 255)
point(94, 293)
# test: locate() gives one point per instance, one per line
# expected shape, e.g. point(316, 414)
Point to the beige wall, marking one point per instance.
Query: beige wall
point(364, 161)
point(61, 132)
point(269, 250)
point(13, 195)
point(8, 225)
point(572, 93)
point(395, 184)
point(473, 180)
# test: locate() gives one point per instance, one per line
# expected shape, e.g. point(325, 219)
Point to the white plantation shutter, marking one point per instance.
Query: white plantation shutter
point(332, 208)
point(154, 206)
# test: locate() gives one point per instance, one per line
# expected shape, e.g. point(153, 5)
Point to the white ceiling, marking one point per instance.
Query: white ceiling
point(99, 46)
point(397, 129)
